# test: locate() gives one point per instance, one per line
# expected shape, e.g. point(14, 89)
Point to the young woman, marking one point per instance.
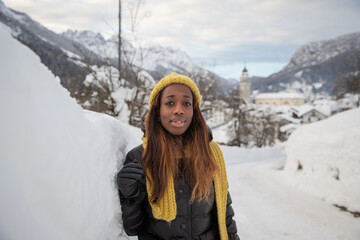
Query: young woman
point(174, 185)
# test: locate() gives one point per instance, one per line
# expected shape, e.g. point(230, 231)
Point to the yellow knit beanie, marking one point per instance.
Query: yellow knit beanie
point(175, 78)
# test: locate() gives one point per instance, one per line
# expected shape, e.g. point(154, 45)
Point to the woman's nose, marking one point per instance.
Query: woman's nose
point(178, 109)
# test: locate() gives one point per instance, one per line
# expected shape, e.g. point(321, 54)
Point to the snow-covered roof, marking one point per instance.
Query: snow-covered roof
point(281, 95)
point(304, 109)
point(326, 110)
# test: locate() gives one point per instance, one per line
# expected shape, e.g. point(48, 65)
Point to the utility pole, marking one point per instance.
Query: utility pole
point(119, 50)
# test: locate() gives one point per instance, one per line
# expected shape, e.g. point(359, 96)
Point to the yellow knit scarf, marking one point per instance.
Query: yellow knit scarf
point(165, 209)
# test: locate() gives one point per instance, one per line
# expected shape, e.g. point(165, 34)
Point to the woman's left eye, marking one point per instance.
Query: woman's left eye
point(187, 103)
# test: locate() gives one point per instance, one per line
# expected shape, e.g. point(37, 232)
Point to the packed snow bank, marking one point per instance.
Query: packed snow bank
point(324, 158)
point(57, 162)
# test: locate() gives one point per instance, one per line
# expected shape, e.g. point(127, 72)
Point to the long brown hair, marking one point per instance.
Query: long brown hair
point(161, 157)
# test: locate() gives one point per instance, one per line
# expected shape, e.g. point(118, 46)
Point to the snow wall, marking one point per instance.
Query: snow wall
point(57, 161)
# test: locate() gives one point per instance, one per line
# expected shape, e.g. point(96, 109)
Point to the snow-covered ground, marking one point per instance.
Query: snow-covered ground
point(58, 162)
point(268, 206)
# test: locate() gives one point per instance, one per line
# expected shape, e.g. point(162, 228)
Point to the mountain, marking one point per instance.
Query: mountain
point(72, 56)
point(155, 59)
point(53, 50)
point(316, 66)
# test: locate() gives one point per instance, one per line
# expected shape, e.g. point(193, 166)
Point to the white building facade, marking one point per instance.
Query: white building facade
point(280, 99)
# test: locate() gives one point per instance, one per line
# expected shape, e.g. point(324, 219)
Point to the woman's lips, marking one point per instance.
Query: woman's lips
point(178, 122)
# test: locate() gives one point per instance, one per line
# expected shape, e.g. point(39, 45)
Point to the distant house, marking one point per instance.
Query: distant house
point(309, 113)
point(219, 116)
point(216, 111)
point(280, 99)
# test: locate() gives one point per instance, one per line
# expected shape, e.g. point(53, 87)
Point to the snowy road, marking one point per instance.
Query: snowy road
point(267, 206)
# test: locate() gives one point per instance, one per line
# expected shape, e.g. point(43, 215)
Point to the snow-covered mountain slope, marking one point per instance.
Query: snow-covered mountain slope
point(315, 53)
point(28, 31)
point(72, 56)
point(95, 42)
point(315, 67)
point(168, 58)
point(56, 52)
point(154, 58)
point(93, 46)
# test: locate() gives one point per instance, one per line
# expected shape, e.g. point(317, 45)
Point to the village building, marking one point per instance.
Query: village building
point(219, 115)
point(280, 99)
point(308, 113)
point(217, 111)
point(245, 87)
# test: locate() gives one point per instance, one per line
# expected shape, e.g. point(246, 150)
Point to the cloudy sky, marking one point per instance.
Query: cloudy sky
point(219, 35)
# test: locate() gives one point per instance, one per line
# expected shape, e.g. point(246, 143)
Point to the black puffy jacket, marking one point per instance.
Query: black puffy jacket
point(193, 221)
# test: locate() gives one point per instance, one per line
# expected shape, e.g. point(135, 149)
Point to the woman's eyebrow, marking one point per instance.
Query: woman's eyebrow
point(187, 96)
point(172, 96)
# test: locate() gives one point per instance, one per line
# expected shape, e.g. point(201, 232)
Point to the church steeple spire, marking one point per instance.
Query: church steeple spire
point(245, 87)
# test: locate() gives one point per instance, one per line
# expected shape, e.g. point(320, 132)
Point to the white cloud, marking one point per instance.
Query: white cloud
point(207, 22)
point(226, 30)
point(76, 14)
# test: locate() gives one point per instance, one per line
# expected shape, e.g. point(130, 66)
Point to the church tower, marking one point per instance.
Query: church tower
point(245, 87)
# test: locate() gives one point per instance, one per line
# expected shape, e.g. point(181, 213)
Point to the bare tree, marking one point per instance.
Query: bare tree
point(107, 84)
point(119, 43)
point(100, 83)
point(340, 87)
point(263, 131)
point(241, 127)
point(251, 127)
point(133, 67)
point(138, 103)
point(135, 16)
point(206, 83)
point(354, 87)
point(104, 79)
point(239, 116)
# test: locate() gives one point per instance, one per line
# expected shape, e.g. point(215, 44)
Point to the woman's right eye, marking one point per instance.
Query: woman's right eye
point(169, 103)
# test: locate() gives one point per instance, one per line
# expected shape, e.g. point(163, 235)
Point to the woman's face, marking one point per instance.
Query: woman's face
point(176, 108)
